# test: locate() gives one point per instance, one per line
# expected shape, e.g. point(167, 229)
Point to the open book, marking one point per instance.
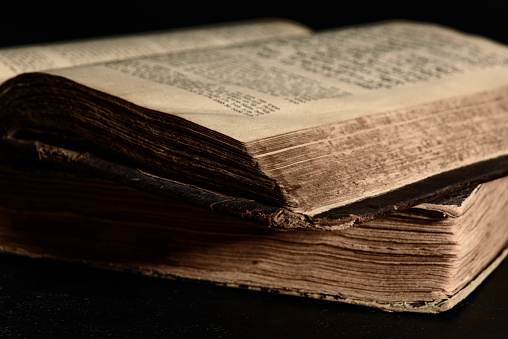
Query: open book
point(270, 112)
point(274, 124)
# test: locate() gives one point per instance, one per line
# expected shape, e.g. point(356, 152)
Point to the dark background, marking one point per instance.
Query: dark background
point(43, 21)
point(50, 299)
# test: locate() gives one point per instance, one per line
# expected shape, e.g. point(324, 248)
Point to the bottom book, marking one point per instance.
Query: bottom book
point(424, 259)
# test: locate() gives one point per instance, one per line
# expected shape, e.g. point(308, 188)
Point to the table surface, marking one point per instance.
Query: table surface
point(47, 298)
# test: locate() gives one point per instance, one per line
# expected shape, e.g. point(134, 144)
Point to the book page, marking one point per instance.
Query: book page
point(19, 59)
point(263, 89)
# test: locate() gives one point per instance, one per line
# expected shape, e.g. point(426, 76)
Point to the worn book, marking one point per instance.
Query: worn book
point(425, 259)
point(274, 125)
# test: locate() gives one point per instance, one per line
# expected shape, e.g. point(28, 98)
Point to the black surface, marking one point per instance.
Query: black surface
point(42, 298)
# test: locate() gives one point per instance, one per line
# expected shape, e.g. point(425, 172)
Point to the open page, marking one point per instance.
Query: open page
point(337, 116)
point(19, 59)
point(263, 89)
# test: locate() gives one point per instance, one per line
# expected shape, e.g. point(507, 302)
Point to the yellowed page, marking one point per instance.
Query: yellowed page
point(259, 90)
point(280, 87)
point(42, 57)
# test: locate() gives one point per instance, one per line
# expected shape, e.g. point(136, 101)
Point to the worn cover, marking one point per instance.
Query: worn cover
point(272, 216)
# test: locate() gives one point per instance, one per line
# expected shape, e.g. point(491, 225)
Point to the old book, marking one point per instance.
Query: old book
point(269, 111)
point(425, 259)
point(268, 124)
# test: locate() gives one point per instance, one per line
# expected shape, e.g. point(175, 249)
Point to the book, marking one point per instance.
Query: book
point(276, 127)
point(307, 122)
point(425, 259)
